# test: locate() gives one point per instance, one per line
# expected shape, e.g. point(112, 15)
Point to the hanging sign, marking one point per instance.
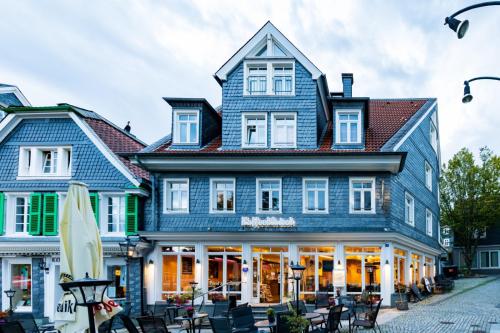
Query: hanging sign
point(267, 222)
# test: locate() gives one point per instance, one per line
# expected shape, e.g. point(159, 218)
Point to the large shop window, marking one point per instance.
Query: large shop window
point(399, 268)
point(315, 195)
point(415, 268)
point(254, 130)
point(269, 196)
point(348, 129)
point(429, 265)
point(118, 275)
point(43, 162)
point(362, 269)
point(362, 195)
point(489, 259)
point(20, 279)
point(176, 196)
point(186, 124)
point(224, 271)
point(318, 275)
point(178, 269)
point(222, 195)
point(283, 132)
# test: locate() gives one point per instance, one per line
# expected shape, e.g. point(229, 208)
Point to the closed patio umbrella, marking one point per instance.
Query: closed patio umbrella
point(81, 253)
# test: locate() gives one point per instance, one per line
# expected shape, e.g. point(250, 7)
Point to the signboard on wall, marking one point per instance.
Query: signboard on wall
point(267, 222)
point(339, 277)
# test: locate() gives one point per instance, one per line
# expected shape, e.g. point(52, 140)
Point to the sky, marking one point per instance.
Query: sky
point(119, 58)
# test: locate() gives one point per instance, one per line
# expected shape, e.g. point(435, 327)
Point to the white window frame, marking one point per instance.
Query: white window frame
point(269, 64)
point(283, 64)
point(410, 219)
point(446, 231)
point(166, 209)
point(10, 214)
point(433, 135)
point(428, 175)
point(351, 195)
point(258, 195)
point(176, 137)
point(489, 259)
point(339, 112)
point(446, 242)
point(244, 116)
point(305, 209)
point(103, 213)
point(274, 130)
point(30, 164)
point(429, 222)
point(213, 198)
point(7, 281)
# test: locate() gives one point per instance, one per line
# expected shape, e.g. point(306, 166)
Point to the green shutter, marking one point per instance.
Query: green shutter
point(2, 213)
point(35, 213)
point(94, 201)
point(131, 214)
point(50, 223)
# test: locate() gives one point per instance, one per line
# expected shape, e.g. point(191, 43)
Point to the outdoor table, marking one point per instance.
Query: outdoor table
point(266, 324)
point(325, 311)
point(192, 320)
point(175, 310)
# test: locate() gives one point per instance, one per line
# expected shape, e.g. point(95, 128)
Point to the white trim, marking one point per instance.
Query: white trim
point(244, 132)
point(410, 132)
point(165, 196)
point(258, 196)
point(10, 214)
point(249, 46)
point(7, 283)
point(304, 195)
point(103, 214)
point(176, 130)
point(428, 176)
point(273, 129)
point(373, 196)
point(338, 112)
point(115, 161)
point(16, 91)
point(211, 200)
point(429, 231)
point(410, 220)
point(7, 124)
point(35, 171)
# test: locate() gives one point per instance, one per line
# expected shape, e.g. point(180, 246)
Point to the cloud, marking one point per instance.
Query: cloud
point(120, 57)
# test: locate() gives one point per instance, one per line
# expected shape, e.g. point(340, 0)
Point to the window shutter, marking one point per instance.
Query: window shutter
point(94, 201)
point(131, 214)
point(2, 213)
point(50, 223)
point(35, 213)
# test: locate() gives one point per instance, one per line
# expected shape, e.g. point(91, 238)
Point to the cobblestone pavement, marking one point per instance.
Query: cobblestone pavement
point(470, 308)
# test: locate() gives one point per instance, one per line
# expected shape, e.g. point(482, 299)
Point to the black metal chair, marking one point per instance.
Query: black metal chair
point(350, 304)
point(12, 327)
point(243, 319)
point(220, 325)
point(282, 322)
point(221, 309)
point(28, 322)
point(333, 320)
point(322, 300)
point(370, 320)
point(152, 324)
point(128, 323)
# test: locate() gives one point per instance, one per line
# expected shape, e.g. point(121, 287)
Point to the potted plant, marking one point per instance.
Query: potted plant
point(170, 300)
point(190, 311)
point(297, 324)
point(402, 304)
point(270, 315)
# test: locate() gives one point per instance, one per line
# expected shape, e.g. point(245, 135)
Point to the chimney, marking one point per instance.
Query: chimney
point(347, 82)
point(127, 127)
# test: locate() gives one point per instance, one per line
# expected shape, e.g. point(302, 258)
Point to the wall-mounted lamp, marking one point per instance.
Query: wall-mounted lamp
point(244, 268)
point(197, 261)
point(151, 262)
point(339, 263)
point(411, 265)
point(425, 264)
point(387, 261)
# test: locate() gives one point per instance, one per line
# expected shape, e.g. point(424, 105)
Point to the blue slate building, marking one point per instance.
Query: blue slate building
point(287, 171)
point(41, 149)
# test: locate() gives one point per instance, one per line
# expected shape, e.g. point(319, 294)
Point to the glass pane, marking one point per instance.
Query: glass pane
point(307, 284)
point(354, 132)
point(233, 272)
point(343, 132)
point(21, 282)
point(353, 274)
point(183, 132)
point(357, 200)
point(325, 272)
point(310, 200)
point(187, 271)
point(368, 200)
point(169, 279)
point(230, 200)
point(321, 200)
point(265, 200)
point(220, 200)
point(276, 201)
point(215, 273)
point(485, 262)
point(118, 276)
point(494, 259)
point(372, 273)
point(402, 270)
point(192, 132)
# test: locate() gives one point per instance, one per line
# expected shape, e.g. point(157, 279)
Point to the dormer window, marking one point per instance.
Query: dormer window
point(282, 79)
point(254, 130)
point(186, 124)
point(44, 162)
point(257, 79)
point(348, 127)
point(269, 77)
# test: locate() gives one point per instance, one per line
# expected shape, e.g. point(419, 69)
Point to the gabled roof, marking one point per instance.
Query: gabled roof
point(108, 137)
point(11, 96)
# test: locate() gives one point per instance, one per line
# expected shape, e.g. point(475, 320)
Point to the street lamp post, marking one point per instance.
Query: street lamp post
point(297, 270)
point(10, 294)
point(460, 27)
point(88, 292)
point(193, 288)
point(127, 249)
point(467, 95)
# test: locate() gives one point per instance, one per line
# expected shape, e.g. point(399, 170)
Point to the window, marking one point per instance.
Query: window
point(19, 272)
point(268, 195)
point(178, 270)
point(315, 195)
point(115, 214)
point(318, 274)
point(44, 162)
point(118, 275)
point(409, 209)
point(254, 130)
point(428, 222)
point(446, 242)
point(362, 195)
point(186, 124)
point(257, 79)
point(176, 196)
point(222, 195)
point(363, 270)
point(224, 271)
point(433, 135)
point(489, 259)
point(348, 128)
point(22, 215)
point(283, 133)
point(283, 79)
point(446, 231)
point(428, 176)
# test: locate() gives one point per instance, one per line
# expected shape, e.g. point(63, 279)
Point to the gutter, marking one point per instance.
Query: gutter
point(153, 192)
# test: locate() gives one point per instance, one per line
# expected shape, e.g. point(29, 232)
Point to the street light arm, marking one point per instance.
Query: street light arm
point(484, 78)
point(478, 5)
point(467, 95)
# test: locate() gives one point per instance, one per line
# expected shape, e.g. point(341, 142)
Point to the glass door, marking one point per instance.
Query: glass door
point(269, 275)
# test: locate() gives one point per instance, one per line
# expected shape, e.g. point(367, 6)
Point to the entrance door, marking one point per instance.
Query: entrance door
point(270, 277)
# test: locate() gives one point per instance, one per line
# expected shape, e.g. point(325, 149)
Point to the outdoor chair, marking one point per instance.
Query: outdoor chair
point(28, 322)
point(444, 283)
point(220, 325)
point(322, 300)
point(152, 324)
point(303, 309)
point(243, 319)
point(11, 327)
point(333, 320)
point(282, 322)
point(349, 303)
point(160, 310)
point(221, 309)
point(369, 321)
point(128, 323)
point(282, 307)
point(417, 295)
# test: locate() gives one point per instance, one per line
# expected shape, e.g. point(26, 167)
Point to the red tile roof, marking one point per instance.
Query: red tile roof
point(386, 117)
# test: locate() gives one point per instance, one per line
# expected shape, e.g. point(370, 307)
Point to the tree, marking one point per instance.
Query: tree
point(470, 198)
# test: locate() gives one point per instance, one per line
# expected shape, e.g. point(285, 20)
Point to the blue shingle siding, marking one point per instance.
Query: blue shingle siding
point(304, 103)
point(10, 99)
point(88, 163)
point(338, 219)
point(37, 289)
point(135, 286)
point(412, 180)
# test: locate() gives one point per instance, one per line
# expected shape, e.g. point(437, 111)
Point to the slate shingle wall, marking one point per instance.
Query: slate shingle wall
point(37, 289)
point(304, 103)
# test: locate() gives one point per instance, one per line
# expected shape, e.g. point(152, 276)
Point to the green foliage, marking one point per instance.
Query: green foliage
point(270, 312)
point(470, 197)
point(296, 324)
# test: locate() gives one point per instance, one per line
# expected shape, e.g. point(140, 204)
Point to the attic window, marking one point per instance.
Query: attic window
point(269, 78)
point(348, 127)
point(44, 162)
point(186, 124)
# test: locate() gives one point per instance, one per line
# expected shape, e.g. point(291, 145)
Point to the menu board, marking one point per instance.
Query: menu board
point(339, 277)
